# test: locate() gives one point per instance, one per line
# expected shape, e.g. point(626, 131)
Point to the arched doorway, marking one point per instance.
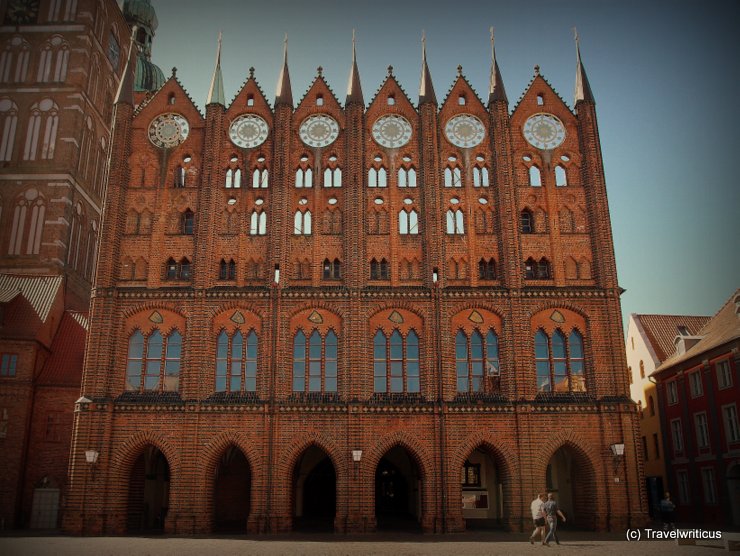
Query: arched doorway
point(398, 491)
point(482, 485)
point(148, 492)
point(231, 491)
point(733, 490)
point(315, 491)
point(570, 476)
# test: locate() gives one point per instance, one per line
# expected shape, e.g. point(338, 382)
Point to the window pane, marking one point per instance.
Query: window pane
point(396, 345)
point(412, 346)
point(558, 345)
point(476, 345)
point(220, 383)
point(315, 345)
point(461, 346)
point(413, 385)
point(379, 384)
point(576, 345)
point(541, 350)
point(379, 345)
point(543, 376)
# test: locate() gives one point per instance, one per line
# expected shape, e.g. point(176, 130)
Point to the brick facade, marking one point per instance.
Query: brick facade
point(167, 443)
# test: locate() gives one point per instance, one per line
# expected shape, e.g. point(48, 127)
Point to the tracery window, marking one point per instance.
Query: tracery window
point(178, 270)
point(236, 362)
point(28, 224)
point(260, 178)
point(534, 176)
point(332, 270)
point(396, 363)
point(44, 116)
point(233, 178)
point(16, 48)
point(408, 222)
point(377, 177)
point(54, 60)
point(526, 220)
point(480, 176)
point(476, 360)
point(537, 270)
point(333, 177)
point(561, 177)
point(406, 177)
point(8, 124)
point(559, 363)
point(153, 363)
point(302, 223)
point(315, 362)
point(304, 177)
point(258, 223)
point(455, 222)
point(379, 270)
point(453, 177)
point(187, 222)
point(227, 270)
point(487, 269)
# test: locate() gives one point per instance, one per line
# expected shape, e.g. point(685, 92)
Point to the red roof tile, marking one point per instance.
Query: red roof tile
point(661, 331)
point(64, 366)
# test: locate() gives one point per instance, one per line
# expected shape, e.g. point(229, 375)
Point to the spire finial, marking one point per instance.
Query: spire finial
point(216, 92)
point(251, 72)
point(583, 89)
point(354, 87)
point(390, 71)
point(174, 71)
point(537, 69)
point(459, 70)
point(496, 89)
point(426, 88)
point(284, 94)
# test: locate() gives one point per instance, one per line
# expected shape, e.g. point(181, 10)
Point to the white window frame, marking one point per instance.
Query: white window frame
point(677, 436)
point(702, 430)
point(709, 486)
point(724, 374)
point(696, 384)
point(672, 392)
point(731, 424)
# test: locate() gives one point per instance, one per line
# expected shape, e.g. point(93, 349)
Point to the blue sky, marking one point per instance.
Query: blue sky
point(664, 74)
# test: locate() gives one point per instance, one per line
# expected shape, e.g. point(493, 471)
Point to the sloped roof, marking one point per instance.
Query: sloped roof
point(39, 291)
point(64, 366)
point(661, 330)
point(721, 329)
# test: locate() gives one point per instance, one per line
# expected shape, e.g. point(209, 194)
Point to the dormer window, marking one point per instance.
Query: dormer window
point(171, 99)
point(319, 100)
point(540, 100)
point(683, 331)
point(461, 100)
point(250, 100)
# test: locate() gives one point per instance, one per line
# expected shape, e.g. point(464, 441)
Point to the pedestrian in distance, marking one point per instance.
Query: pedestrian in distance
point(538, 517)
point(552, 512)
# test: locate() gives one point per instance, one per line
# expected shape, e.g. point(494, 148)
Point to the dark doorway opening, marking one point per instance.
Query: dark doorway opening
point(149, 492)
point(398, 491)
point(231, 492)
point(315, 491)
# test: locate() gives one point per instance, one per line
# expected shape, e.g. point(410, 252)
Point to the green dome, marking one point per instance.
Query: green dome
point(140, 12)
point(148, 75)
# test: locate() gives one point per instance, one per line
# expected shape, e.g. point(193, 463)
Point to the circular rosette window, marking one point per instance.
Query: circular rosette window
point(319, 131)
point(392, 131)
point(544, 131)
point(168, 130)
point(465, 131)
point(248, 131)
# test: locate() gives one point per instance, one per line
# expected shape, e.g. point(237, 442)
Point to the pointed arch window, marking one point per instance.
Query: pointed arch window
point(315, 362)
point(537, 270)
point(332, 270)
point(476, 360)
point(561, 177)
point(302, 223)
point(408, 222)
point(377, 177)
point(258, 223)
point(28, 224)
point(260, 178)
point(8, 124)
point(526, 220)
point(187, 222)
point(396, 363)
point(43, 124)
point(233, 178)
point(487, 269)
point(535, 179)
point(180, 177)
point(54, 60)
point(559, 362)
point(236, 362)
point(304, 177)
point(227, 270)
point(453, 177)
point(333, 177)
point(480, 176)
point(455, 222)
point(16, 49)
point(406, 177)
point(178, 270)
point(379, 270)
point(153, 363)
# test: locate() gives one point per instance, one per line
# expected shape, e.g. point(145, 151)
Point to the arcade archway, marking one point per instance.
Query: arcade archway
point(231, 491)
point(570, 476)
point(314, 491)
point(398, 491)
point(149, 492)
point(482, 486)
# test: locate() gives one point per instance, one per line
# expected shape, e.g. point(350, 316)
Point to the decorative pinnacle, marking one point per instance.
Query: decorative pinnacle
point(251, 72)
point(320, 71)
point(459, 70)
point(537, 69)
point(354, 87)
point(174, 71)
point(496, 89)
point(390, 71)
point(284, 94)
point(583, 88)
point(426, 88)
point(216, 92)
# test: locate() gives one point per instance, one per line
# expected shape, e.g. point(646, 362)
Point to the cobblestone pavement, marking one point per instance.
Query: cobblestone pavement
point(464, 544)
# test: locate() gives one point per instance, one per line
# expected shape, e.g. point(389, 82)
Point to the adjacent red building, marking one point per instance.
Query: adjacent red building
point(699, 395)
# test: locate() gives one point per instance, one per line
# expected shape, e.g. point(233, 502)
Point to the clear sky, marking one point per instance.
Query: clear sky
point(665, 75)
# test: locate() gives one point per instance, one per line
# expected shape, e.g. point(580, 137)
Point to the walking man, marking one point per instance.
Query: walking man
point(538, 517)
point(552, 511)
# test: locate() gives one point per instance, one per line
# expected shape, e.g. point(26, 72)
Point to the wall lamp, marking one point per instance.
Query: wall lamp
point(617, 455)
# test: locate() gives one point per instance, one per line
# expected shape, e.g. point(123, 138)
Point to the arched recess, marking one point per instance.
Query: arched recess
point(232, 488)
point(570, 474)
point(314, 491)
point(486, 484)
point(148, 498)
